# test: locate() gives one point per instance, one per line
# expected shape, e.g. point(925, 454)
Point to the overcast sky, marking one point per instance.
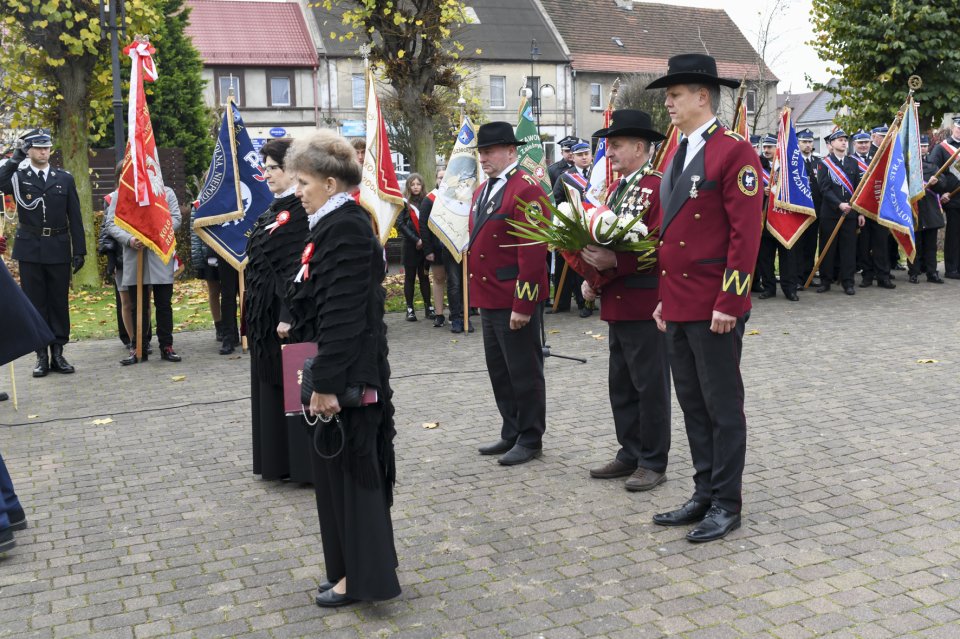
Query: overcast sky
point(788, 54)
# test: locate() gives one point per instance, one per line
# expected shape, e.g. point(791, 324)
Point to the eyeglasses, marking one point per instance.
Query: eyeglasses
point(270, 167)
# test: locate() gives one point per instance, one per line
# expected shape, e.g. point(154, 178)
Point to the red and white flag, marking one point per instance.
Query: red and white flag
point(142, 201)
point(379, 190)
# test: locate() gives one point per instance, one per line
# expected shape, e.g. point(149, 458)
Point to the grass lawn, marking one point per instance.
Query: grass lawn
point(93, 311)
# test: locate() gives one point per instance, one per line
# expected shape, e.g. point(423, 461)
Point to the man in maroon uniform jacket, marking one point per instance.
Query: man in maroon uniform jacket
point(709, 238)
point(507, 283)
point(639, 373)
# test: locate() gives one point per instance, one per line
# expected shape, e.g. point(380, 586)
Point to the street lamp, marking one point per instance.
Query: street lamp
point(109, 22)
point(534, 91)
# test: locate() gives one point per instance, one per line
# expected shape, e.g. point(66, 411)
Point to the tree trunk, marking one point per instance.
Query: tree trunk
point(424, 160)
point(73, 124)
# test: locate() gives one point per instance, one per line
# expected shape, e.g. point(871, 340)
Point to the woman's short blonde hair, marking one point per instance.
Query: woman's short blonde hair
point(325, 154)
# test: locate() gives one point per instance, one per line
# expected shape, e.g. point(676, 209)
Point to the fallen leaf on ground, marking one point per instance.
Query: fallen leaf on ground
point(599, 337)
point(32, 416)
point(178, 378)
point(431, 425)
point(754, 332)
point(101, 422)
point(554, 331)
point(926, 361)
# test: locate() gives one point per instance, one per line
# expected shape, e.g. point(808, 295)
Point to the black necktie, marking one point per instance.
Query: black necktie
point(43, 178)
point(678, 159)
point(485, 198)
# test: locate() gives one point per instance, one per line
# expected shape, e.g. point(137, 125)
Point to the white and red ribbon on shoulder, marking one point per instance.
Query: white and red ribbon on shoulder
point(282, 218)
point(304, 272)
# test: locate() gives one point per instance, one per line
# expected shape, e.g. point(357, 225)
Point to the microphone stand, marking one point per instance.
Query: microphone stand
point(543, 341)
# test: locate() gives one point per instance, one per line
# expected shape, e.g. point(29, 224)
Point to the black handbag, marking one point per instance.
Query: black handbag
point(351, 397)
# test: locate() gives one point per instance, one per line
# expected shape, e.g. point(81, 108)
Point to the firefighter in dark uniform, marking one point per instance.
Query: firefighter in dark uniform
point(557, 169)
point(49, 241)
point(838, 179)
point(893, 249)
point(929, 222)
point(639, 373)
point(711, 195)
point(873, 243)
point(770, 246)
point(949, 180)
point(508, 283)
point(806, 247)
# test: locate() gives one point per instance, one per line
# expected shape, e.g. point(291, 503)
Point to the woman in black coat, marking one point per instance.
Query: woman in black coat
point(929, 221)
point(279, 443)
point(337, 300)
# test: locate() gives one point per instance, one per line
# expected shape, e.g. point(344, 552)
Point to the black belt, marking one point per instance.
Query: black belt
point(43, 231)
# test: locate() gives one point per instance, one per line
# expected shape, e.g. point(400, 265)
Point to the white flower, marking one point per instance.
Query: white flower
point(568, 214)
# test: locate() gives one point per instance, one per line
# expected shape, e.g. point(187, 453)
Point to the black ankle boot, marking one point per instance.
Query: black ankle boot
point(42, 367)
point(57, 362)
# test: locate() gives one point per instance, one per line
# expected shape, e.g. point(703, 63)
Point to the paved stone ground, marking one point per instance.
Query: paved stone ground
point(153, 526)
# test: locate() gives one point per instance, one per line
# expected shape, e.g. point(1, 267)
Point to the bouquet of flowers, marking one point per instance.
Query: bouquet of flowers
point(575, 224)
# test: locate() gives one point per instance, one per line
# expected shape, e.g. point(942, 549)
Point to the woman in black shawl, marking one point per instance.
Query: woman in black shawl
point(279, 444)
point(337, 301)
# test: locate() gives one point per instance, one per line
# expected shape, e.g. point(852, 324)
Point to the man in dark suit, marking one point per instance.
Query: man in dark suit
point(838, 180)
point(711, 195)
point(508, 283)
point(639, 378)
point(772, 252)
point(576, 178)
point(49, 238)
point(949, 180)
point(556, 169)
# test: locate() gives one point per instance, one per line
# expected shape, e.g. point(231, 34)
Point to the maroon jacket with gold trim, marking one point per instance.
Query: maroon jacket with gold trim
point(710, 234)
point(501, 274)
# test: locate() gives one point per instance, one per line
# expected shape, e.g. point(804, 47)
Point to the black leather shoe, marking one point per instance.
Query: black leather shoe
point(886, 284)
point(42, 367)
point(767, 295)
point(58, 363)
point(849, 290)
point(331, 599)
point(18, 519)
point(439, 321)
point(7, 542)
point(131, 359)
point(935, 279)
point(325, 586)
point(823, 288)
point(456, 326)
point(497, 448)
point(690, 513)
point(792, 296)
point(865, 283)
point(227, 346)
point(914, 279)
point(169, 354)
point(586, 312)
point(715, 525)
point(519, 455)
point(4, 397)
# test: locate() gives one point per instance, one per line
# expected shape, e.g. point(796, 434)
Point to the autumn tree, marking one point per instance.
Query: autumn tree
point(51, 53)
point(412, 43)
point(874, 46)
point(633, 94)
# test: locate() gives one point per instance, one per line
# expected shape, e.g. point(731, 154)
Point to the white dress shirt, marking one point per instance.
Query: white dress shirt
point(695, 141)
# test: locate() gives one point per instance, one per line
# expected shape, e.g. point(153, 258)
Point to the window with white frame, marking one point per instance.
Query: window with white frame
point(281, 89)
point(751, 101)
point(498, 92)
point(596, 96)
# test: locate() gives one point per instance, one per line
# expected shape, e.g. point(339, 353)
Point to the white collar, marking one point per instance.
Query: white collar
point(45, 171)
point(336, 201)
point(507, 170)
point(290, 191)
point(696, 137)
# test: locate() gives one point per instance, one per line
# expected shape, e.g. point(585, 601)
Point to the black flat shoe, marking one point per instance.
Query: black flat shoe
point(886, 284)
point(331, 599)
point(586, 312)
point(325, 586)
point(496, 448)
point(226, 347)
point(914, 279)
point(18, 519)
point(792, 296)
point(849, 290)
point(767, 295)
point(519, 455)
point(866, 283)
point(715, 525)
point(690, 513)
point(823, 288)
point(934, 279)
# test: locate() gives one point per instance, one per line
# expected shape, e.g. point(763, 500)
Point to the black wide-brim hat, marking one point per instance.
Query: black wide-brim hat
point(692, 68)
point(494, 133)
point(630, 122)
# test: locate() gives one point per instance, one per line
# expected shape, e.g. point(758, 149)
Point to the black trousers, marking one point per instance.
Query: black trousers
point(121, 329)
point(770, 248)
point(229, 292)
point(706, 376)
point(842, 252)
point(806, 248)
point(893, 250)
point(162, 294)
point(454, 285)
point(640, 393)
point(951, 242)
point(926, 261)
point(414, 269)
point(874, 245)
point(47, 286)
point(355, 528)
point(280, 444)
point(515, 365)
point(571, 285)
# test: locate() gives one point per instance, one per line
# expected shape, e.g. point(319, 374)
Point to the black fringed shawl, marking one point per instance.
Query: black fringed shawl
point(340, 306)
point(273, 262)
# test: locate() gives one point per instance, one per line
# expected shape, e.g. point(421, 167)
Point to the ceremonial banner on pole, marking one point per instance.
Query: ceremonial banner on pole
point(601, 175)
point(790, 204)
point(883, 195)
point(530, 154)
point(142, 201)
point(450, 215)
point(666, 150)
point(235, 193)
point(379, 190)
point(913, 158)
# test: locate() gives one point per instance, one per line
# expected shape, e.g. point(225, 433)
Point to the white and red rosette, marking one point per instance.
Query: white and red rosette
point(599, 220)
point(304, 272)
point(282, 218)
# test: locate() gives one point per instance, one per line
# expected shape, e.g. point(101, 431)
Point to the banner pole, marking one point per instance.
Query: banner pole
point(13, 388)
point(233, 149)
point(559, 289)
point(823, 251)
point(466, 293)
point(13, 379)
point(243, 338)
point(140, 305)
